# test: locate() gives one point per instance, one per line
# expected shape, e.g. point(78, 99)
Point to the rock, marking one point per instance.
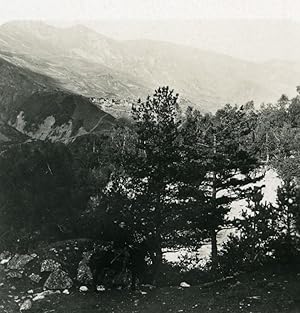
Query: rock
point(49, 265)
point(5, 256)
point(58, 280)
point(26, 305)
point(66, 292)
point(42, 295)
point(38, 297)
point(84, 273)
point(14, 274)
point(83, 289)
point(254, 297)
point(30, 291)
point(35, 278)
point(148, 286)
point(185, 285)
point(4, 261)
point(18, 262)
point(100, 288)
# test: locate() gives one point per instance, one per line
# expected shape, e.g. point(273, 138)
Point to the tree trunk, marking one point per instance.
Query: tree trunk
point(214, 251)
point(288, 225)
point(214, 245)
point(156, 265)
point(155, 253)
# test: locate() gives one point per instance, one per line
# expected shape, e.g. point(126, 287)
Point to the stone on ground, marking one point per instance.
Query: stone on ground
point(18, 262)
point(42, 295)
point(26, 305)
point(35, 278)
point(185, 285)
point(5, 256)
point(58, 280)
point(100, 288)
point(49, 265)
point(14, 274)
point(84, 273)
point(83, 289)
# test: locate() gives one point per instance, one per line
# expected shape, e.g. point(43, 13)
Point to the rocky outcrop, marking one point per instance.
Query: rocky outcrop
point(18, 262)
point(65, 264)
point(84, 273)
point(15, 265)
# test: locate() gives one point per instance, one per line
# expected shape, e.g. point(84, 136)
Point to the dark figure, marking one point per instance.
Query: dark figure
point(137, 265)
point(107, 265)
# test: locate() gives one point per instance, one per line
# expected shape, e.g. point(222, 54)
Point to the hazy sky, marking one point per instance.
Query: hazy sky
point(147, 9)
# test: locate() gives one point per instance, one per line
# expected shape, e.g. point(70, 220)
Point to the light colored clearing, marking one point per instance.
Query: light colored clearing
point(271, 181)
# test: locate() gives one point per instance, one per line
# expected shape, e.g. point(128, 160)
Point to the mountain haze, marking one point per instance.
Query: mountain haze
point(256, 39)
point(85, 62)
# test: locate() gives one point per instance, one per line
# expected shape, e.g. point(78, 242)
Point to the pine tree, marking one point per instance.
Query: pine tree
point(288, 201)
point(224, 143)
point(149, 180)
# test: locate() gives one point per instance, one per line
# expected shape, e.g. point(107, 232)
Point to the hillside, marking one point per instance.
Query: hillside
point(17, 83)
point(9, 136)
point(88, 63)
point(60, 116)
point(34, 105)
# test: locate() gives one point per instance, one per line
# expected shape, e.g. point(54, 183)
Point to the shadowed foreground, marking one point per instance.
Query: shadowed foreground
point(258, 292)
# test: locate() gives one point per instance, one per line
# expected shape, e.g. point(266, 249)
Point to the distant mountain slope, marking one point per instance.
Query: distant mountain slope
point(17, 83)
point(85, 62)
point(251, 39)
point(78, 58)
point(34, 105)
point(60, 116)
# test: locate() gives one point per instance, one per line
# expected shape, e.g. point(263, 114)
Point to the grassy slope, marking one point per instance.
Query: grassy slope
point(257, 292)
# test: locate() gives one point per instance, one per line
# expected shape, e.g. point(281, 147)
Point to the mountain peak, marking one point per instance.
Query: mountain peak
point(26, 25)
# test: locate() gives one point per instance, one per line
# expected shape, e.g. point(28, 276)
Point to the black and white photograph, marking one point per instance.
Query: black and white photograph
point(150, 156)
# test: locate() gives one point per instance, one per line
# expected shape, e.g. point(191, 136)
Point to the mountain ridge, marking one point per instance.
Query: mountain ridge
point(91, 64)
point(85, 62)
